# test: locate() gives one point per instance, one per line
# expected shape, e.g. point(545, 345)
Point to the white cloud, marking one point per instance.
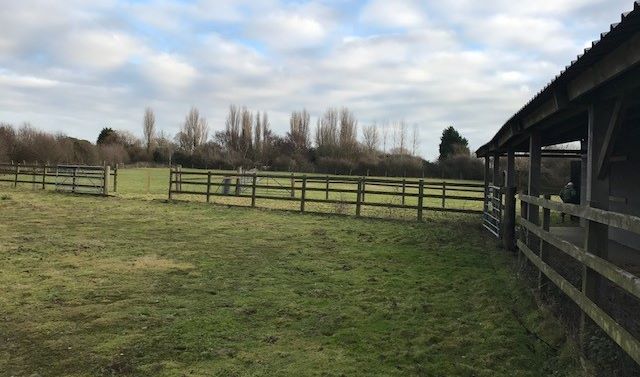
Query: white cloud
point(96, 49)
point(398, 13)
point(168, 71)
point(283, 30)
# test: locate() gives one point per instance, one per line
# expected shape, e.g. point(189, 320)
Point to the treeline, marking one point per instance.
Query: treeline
point(334, 145)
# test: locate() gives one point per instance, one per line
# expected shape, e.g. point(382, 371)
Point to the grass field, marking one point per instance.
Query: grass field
point(120, 286)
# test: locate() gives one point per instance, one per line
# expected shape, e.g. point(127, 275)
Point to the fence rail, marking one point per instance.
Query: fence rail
point(397, 193)
point(587, 257)
point(83, 179)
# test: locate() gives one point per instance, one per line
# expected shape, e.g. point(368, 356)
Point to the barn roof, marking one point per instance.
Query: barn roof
point(618, 34)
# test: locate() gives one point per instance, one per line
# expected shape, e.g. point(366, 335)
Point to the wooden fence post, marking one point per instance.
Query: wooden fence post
point(115, 178)
point(546, 223)
point(303, 193)
point(404, 189)
point(74, 179)
point(44, 177)
point(253, 191)
point(359, 196)
point(326, 193)
point(293, 186)
point(208, 187)
point(105, 184)
point(33, 177)
point(15, 181)
point(444, 193)
point(170, 183)
point(363, 188)
point(420, 198)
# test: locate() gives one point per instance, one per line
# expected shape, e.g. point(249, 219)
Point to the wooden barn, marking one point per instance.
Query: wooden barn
point(593, 104)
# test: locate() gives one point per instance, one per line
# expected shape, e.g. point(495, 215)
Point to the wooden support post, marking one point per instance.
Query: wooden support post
point(420, 198)
point(359, 196)
point(208, 187)
point(404, 189)
point(303, 193)
point(115, 178)
point(15, 181)
point(253, 190)
point(170, 183)
point(496, 171)
point(444, 193)
point(487, 172)
point(238, 188)
point(533, 189)
point(598, 188)
point(326, 193)
point(293, 186)
point(74, 179)
point(509, 214)
point(44, 177)
point(543, 282)
point(105, 184)
point(363, 188)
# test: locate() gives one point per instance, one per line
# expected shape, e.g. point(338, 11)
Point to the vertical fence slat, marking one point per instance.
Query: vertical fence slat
point(404, 189)
point(209, 187)
point(15, 181)
point(444, 193)
point(293, 186)
point(420, 198)
point(105, 182)
point(363, 188)
point(303, 193)
point(359, 196)
point(115, 178)
point(44, 177)
point(170, 183)
point(253, 190)
point(326, 191)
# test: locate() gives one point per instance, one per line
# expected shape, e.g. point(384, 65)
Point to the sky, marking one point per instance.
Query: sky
point(77, 66)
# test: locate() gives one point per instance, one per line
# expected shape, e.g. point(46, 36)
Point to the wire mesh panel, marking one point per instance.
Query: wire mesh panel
point(492, 213)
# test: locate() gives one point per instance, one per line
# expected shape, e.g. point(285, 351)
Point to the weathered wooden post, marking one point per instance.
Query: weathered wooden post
point(326, 191)
point(420, 198)
point(359, 196)
point(444, 193)
point(509, 228)
point(602, 116)
point(208, 187)
point(238, 188)
point(33, 177)
point(253, 191)
point(115, 178)
point(404, 189)
point(170, 183)
point(546, 225)
point(363, 185)
point(15, 181)
point(486, 183)
point(44, 177)
point(303, 193)
point(105, 185)
point(74, 179)
point(293, 186)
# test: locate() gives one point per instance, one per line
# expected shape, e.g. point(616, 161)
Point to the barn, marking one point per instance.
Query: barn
point(594, 106)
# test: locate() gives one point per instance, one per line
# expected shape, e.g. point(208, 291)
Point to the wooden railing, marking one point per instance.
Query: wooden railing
point(625, 280)
point(73, 178)
point(353, 191)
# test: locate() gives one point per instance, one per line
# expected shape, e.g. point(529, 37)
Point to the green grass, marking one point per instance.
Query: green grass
point(120, 286)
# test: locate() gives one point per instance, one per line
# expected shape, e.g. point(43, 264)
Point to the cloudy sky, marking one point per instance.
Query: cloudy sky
point(76, 66)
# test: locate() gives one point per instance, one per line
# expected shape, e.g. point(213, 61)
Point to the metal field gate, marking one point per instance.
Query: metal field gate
point(492, 213)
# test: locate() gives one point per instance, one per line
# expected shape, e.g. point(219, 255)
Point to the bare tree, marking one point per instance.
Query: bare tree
point(348, 132)
point(257, 135)
point(385, 136)
point(232, 128)
point(370, 137)
point(194, 131)
point(246, 135)
point(299, 129)
point(415, 140)
point(327, 132)
point(149, 128)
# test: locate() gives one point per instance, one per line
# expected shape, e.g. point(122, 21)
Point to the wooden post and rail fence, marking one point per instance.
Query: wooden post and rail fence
point(536, 238)
point(81, 179)
point(357, 192)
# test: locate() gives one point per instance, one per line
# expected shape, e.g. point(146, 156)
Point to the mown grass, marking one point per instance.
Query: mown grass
point(114, 286)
